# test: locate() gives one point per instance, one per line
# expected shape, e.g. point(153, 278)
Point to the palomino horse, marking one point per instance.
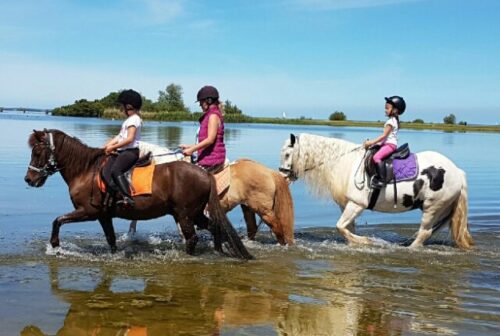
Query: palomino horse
point(180, 189)
point(256, 188)
point(331, 167)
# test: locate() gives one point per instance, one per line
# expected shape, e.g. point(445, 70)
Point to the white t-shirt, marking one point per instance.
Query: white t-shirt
point(392, 138)
point(133, 120)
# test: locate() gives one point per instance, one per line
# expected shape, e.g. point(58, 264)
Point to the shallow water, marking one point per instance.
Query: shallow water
point(321, 286)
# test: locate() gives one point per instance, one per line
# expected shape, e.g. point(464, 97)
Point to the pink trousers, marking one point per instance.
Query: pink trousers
point(383, 152)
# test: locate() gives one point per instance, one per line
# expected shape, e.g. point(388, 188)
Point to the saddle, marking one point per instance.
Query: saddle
point(399, 166)
point(395, 169)
point(140, 177)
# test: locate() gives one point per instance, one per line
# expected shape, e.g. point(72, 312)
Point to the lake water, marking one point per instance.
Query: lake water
point(321, 286)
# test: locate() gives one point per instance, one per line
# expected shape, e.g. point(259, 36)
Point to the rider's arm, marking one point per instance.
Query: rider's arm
point(130, 138)
point(213, 125)
point(387, 130)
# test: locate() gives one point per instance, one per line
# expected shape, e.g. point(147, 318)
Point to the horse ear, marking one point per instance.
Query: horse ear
point(292, 139)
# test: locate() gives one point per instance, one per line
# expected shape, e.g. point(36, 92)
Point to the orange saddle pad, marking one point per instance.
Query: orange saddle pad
point(142, 180)
point(223, 179)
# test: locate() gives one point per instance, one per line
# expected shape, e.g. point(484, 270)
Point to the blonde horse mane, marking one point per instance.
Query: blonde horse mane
point(323, 163)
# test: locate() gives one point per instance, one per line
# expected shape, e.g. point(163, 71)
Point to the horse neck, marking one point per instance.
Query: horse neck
point(73, 157)
point(315, 152)
point(323, 163)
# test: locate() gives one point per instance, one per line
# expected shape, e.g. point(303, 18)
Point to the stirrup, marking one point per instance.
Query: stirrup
point(376, 183)
point(126, 202)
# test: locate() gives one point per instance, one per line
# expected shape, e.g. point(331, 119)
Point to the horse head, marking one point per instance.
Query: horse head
point(286, 160)
point(42, 163)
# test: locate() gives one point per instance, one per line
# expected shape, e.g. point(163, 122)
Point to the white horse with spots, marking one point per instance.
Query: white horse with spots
point(335, 168)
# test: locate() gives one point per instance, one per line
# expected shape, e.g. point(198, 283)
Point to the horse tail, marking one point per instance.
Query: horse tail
point(459, 224)
point(223, 226)
point(283, 207)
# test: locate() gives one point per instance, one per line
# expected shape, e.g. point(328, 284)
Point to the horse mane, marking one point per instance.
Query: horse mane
point(83, 157)
point(316, 160)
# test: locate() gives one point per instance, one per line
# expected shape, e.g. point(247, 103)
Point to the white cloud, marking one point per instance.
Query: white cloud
point(163, 11)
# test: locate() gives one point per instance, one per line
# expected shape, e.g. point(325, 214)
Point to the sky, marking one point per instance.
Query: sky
point(269, 57)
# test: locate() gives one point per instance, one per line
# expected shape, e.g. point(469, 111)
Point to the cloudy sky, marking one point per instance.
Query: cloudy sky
point(299, 57)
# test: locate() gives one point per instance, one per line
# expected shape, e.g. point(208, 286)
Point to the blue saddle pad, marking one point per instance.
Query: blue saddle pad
point(406, 169)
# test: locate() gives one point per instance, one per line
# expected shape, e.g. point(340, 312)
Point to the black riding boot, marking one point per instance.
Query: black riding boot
point(124, 187)
point(378, 181)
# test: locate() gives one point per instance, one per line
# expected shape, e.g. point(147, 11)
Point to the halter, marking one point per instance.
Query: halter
point(50, 167)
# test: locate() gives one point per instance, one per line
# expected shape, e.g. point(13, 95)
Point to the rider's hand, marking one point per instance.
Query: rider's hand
point(188, 151)
point(108, 150)
point(367, 144)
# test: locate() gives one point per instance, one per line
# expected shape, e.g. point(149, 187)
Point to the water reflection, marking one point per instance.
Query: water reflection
point(294, 297)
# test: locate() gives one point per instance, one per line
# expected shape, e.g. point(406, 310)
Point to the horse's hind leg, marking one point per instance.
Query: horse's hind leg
point(189, 233)
point(249, 216)
point(351, 211)
point(275, 225)
point(430, 217)
point(109, 231)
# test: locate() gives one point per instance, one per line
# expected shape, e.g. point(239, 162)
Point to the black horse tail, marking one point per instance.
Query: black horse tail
point(223, 226)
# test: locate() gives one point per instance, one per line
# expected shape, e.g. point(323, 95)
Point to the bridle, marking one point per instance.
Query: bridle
point(50, 167)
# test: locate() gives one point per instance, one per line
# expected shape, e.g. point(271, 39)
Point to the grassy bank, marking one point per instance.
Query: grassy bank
point(240, 118)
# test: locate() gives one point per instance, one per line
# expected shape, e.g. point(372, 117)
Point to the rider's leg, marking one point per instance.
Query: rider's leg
point(378, 180)
point(125, 160)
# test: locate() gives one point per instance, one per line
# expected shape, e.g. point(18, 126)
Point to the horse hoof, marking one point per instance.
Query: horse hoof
point(113, 249)
point(54, 243)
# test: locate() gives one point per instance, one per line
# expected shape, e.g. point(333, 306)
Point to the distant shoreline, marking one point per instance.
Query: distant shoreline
point(239, 118)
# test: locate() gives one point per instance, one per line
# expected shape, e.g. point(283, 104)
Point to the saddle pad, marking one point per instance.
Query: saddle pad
point(223, 179)
point(142, 180)
point(406, 169)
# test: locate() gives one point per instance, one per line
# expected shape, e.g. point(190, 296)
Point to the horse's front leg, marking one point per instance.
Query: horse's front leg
point(186, 225)
point(79, 215)
point(349, 215)
point(109, 231)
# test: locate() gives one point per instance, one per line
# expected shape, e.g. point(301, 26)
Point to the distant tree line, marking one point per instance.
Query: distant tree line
point(169, 102)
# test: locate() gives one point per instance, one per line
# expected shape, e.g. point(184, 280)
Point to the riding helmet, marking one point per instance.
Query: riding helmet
point(398, 102)
point(130, 97)
point(207, 92)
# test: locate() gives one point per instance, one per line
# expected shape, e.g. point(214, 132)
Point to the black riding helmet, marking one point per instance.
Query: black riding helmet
point(130, 97)
point(207, 92)
point(398, 102)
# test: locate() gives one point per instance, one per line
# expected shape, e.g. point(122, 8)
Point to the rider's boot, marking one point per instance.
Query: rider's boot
point(124, 187)
point(378, 181)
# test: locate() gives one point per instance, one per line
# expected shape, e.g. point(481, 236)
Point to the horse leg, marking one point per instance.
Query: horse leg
point(109, 231)
point(188, 231)
point(430, 216)
point(249, 216)
point(79, 215)
point(133, 227)
point(351, 211)
point(275, 225)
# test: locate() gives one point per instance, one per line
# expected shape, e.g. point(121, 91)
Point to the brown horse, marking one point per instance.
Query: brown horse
point(258, 189)
point(179, 189)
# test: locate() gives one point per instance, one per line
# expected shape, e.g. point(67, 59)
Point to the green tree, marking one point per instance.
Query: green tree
point(171, 99)
point(229, 108)
point(110, 101)
point(450, 119)
point(81, 108)
point(337, 115)
point(418, 121)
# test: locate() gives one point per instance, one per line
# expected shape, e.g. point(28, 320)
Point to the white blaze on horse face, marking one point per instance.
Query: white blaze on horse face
point(286, 158)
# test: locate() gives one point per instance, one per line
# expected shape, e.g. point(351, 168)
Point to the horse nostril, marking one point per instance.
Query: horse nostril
point(27, 179)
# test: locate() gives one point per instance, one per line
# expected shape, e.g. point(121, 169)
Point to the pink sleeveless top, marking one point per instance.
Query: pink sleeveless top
point(214, 154)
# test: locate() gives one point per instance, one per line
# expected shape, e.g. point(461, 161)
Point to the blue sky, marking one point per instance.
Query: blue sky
point(302, 57)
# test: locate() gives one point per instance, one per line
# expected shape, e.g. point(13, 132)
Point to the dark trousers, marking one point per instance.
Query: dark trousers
point(120, 164)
